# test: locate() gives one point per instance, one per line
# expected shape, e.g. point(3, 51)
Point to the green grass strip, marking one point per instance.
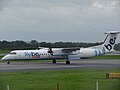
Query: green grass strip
point(83, 79)
point(107, 57)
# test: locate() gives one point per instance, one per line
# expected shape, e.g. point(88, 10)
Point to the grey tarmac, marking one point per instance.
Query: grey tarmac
point(75, 65)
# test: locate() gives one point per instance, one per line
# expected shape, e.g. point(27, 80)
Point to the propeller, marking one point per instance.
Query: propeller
point(50, 50)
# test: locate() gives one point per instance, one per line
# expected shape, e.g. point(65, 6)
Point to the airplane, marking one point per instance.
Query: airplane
point(68, 54)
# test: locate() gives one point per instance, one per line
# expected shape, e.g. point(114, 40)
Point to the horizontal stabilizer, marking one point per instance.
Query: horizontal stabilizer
point(113, 32)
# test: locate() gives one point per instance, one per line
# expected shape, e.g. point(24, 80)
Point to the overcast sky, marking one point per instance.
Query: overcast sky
point(58, 20)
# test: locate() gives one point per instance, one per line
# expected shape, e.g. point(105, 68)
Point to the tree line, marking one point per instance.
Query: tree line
point(33, 44)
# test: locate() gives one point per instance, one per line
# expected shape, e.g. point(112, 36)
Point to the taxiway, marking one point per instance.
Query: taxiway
point(75, 65)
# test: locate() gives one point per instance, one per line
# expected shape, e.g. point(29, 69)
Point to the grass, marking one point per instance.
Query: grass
point(107, 57)
point(83, 79)
point(4, 51)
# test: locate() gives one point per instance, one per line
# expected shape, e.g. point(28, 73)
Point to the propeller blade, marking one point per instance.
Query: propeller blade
point(50, 50)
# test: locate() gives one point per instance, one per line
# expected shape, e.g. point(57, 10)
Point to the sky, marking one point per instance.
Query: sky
point(58, 20)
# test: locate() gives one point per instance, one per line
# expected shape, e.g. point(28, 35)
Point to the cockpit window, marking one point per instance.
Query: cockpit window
point(13, 53)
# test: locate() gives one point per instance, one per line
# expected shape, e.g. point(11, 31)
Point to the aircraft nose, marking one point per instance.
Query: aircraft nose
point(4, 58)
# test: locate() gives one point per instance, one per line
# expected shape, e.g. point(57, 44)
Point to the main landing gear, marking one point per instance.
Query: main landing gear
point(67, 62)
point(54, 61)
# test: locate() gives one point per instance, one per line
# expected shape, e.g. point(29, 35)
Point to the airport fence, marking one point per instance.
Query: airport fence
point(107, 84)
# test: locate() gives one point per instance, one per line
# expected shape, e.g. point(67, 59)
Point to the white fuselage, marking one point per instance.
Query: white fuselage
point(44, 55)
point(66, 53)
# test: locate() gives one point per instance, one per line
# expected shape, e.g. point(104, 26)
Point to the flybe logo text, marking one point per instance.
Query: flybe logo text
point(32, 54)
point(109, 46)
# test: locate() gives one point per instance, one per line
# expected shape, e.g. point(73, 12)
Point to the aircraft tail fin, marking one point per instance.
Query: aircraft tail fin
point(109, 41)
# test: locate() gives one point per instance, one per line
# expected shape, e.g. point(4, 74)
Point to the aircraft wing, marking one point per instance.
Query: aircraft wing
point(42, 48)
point(70, 50)
point(69, 53)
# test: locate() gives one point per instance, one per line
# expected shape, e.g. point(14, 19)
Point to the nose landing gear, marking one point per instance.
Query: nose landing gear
point(8, 62)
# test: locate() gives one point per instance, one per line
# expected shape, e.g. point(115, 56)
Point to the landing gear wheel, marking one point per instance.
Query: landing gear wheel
point(54, 61)
point(67, 62)
point(8, 62)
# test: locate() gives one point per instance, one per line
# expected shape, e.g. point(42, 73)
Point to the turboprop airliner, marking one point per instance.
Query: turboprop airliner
point(68, 54)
